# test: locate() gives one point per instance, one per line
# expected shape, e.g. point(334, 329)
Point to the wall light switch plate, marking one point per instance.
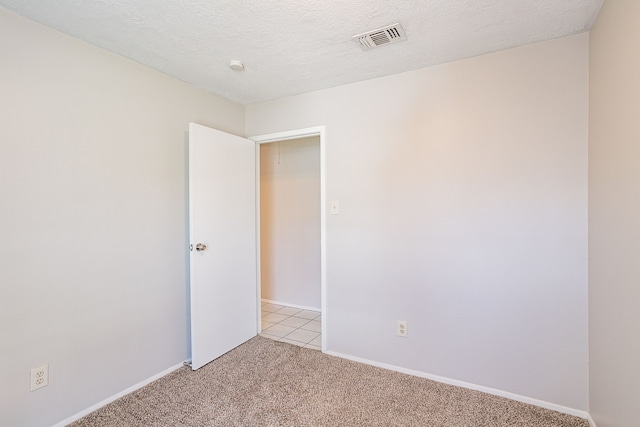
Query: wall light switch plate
point(335, 207)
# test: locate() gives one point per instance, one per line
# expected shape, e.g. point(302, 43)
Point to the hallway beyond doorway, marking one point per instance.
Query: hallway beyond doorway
point(292, 325)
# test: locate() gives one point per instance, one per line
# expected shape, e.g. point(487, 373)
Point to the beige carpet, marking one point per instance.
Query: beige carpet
point(269, 383)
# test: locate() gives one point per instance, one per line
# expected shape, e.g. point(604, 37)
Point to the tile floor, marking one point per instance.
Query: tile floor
point(291, 325)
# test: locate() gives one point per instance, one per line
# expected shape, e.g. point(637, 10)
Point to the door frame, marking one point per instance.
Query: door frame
point(285, 136)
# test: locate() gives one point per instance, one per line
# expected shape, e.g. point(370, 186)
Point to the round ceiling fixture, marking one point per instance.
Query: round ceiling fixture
point(236, 65)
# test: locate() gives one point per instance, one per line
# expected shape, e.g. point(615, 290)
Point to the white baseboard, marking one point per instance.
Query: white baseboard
point(301, 307)
point(591, 422)
point(488, 390)
point(117, 396)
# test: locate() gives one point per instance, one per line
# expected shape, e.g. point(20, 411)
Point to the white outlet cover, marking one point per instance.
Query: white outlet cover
point(39, 377)
point(402, 328)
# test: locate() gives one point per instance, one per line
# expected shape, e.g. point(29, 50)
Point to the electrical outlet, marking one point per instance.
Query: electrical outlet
point(39, 377)
point(402, 328)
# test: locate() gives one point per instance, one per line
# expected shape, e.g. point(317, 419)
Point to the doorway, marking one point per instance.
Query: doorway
point(290, 241)
point(290, 174)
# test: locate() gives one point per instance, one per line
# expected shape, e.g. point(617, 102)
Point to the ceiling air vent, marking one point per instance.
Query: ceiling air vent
point(386, 35)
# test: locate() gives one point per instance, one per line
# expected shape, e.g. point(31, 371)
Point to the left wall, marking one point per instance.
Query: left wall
point(93, 219)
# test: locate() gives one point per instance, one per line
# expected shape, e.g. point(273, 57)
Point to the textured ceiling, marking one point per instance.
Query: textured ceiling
point(295, 46)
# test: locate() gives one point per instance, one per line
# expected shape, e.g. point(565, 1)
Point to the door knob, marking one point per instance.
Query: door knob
point(201, 247)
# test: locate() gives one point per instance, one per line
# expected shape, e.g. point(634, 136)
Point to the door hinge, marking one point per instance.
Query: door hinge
point(191, 247)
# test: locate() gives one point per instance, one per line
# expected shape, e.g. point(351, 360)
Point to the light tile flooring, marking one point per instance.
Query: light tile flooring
point(292, 325)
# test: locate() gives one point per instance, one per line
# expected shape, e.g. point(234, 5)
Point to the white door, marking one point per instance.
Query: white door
point(223, 238)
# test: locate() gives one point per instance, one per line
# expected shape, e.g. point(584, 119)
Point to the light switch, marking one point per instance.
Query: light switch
point(335, 207)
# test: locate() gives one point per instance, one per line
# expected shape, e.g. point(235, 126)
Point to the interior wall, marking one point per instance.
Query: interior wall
point(290, 221)
point(463, 211)
point(614, 215)
point(93, 219)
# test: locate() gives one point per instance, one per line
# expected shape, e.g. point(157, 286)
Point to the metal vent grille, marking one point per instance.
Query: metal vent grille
point(386, 35)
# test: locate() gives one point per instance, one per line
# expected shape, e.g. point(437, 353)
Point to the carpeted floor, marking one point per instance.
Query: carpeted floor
point(269, 383)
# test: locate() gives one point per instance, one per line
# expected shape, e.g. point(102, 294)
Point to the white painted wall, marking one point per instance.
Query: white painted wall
point(614, 216)
point(290, 221)
point(93, 219)
point(463, 197)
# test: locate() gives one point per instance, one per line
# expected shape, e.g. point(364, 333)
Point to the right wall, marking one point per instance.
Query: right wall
point(614, 216)
point(463, 211)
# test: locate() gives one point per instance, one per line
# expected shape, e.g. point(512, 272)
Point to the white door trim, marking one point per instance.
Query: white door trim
point(284, 136)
